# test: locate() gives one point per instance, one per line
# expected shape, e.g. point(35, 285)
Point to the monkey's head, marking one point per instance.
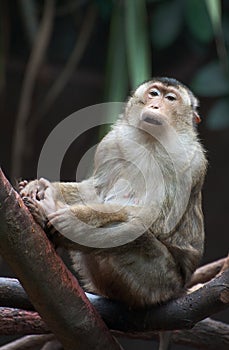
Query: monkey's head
point(162, 101)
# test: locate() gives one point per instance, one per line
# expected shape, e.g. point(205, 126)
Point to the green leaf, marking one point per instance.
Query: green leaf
point(137, 42)
point(218, 117)
point(105, 8)
point(166, 24)
point(198, 20)
point(215, 13)
point(214, 10)
point(211, 81)
point(116, 83)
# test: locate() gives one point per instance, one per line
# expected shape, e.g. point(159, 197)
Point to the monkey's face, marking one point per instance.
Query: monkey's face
point(155, 104)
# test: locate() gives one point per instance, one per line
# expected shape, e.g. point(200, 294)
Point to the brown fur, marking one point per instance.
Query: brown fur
point(155, 266)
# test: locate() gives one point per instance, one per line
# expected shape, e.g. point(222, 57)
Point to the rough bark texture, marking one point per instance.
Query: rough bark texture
point(52, 289)
point(206, 334)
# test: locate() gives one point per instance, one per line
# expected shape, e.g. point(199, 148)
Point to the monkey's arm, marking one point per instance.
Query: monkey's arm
point(98, 223)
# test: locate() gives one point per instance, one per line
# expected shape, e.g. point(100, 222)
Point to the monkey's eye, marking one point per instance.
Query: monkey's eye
point(154, 92)
point(171, 97)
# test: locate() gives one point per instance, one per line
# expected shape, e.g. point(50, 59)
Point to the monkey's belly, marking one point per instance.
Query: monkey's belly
point(133, 279)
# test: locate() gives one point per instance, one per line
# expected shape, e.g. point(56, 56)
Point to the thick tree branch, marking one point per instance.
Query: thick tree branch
point(206, 334)
point(13, 295)
point(23, 242)
point(180, 313)
point(52, 289)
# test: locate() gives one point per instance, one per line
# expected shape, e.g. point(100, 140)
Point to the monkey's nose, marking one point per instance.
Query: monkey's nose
point(154, 105)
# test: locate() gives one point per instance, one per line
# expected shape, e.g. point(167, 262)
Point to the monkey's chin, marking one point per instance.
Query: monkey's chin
point(152, 118)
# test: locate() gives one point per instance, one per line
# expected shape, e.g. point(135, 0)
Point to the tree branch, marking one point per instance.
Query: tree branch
point(53, 291)
point(28, 342)
point(13, 295)
point(36, 58)
point(180, 313)
point(206, 334)
point(23, 242)
point(68, 71)
point(207, 272)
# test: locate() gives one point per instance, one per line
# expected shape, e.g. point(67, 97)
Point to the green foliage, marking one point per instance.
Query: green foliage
point(137, 43)
point(129, 54)
point(211, 81)
point(198, 21)
point(116, 72)
point(166, 24)
point(218, 117)
point(214, 9)
point(128, 50)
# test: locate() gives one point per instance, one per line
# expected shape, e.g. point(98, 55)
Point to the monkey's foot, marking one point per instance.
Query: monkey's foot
point(34, 189)
point(21, 185)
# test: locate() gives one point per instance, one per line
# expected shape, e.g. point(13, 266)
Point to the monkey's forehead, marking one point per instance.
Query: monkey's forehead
point(185, 93)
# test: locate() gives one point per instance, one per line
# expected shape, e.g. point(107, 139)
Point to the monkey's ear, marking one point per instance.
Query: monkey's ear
point(197, 118)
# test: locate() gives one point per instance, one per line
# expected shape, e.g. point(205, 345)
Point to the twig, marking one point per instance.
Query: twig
point(226, 264)
point(207, 334)
point(28, 342)
point(21, 322)
point(66, 74)
point(36, 58)
point(52, 345)
point(205, 273)
point(27, 249)
point(54, 291)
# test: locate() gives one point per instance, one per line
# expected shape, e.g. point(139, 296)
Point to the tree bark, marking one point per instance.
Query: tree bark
point(52, 289)
point(65, 308)
point(207, 334)
point(180, 313)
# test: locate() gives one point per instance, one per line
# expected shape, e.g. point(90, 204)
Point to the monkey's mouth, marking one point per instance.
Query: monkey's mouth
point(152, 118)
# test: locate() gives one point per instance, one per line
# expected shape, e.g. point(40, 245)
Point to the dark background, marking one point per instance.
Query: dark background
point(181, 41)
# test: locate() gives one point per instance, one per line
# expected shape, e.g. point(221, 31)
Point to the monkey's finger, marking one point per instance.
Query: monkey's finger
point(22, 184)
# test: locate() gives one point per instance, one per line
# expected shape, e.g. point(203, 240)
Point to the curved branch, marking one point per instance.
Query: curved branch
point(35, 61)
point(207, 334)
point(23, 242)
point(28, 342)
point(207, 272)
point(54, 291)
point(75, 57)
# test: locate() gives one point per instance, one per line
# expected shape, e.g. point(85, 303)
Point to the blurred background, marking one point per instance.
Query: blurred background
point(57, 57)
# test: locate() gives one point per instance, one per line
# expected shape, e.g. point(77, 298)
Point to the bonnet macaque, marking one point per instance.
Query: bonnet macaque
point(136, 225)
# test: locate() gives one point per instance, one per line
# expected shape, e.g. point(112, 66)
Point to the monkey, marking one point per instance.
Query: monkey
point(140, 213)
